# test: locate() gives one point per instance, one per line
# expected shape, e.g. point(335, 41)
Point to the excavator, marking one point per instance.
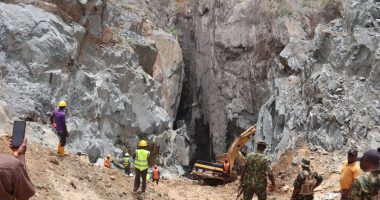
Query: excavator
point(204, 170)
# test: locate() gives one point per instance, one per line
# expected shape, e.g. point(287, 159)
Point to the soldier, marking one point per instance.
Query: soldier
point(254, 177)
point(366, 187)
point(306, 182)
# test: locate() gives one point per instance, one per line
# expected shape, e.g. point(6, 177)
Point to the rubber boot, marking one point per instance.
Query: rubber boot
point(58, 148)
point(61, 151)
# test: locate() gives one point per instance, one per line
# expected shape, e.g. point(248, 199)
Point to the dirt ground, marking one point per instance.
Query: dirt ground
point(74, 178)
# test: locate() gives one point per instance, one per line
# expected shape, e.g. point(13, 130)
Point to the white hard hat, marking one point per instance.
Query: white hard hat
point(127, 154)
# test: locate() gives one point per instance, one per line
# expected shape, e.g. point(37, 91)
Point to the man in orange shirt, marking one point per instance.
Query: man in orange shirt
point(156, 174)
point(107, 162)
point(350, 171)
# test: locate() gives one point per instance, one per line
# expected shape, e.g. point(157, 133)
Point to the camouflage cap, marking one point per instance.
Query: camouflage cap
point(305, 162)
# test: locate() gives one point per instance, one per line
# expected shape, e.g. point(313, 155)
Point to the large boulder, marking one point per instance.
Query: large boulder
point(168, 70)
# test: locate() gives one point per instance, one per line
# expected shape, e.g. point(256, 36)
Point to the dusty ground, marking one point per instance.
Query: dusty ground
point(74, 178)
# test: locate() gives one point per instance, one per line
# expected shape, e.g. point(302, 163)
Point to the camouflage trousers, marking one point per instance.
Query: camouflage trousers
point(250, 191)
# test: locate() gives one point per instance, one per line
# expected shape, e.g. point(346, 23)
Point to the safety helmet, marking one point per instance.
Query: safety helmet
point(62, 104)
point(108, 156)
point(143, 143)
point(127, 154)
point(155, 166)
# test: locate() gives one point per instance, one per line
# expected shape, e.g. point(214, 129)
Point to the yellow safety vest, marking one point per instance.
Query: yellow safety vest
point(126, 161)
point(141, 161)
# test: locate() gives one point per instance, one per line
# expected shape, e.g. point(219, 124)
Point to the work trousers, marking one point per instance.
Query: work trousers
point(62, 138)
point(127, 170)
point(156, 180)
point(344, 194)
point(139, 174)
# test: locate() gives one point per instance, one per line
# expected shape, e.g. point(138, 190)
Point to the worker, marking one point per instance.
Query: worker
point(306, 182)
point(156, 174)
point(366, 186)
point(14, 178)
point(58, 121)
point(127, 166)
point(226, 166)
point(107, 162)
point(254, 176)
point(141, 166)
point(350, 171)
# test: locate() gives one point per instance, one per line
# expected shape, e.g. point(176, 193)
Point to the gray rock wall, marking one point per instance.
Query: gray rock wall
point(92, 62)
point(303, 71)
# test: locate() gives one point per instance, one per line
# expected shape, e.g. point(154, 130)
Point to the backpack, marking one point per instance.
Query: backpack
point(307, 188)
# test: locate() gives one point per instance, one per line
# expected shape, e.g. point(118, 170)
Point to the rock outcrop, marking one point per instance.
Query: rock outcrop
point(330, 98)
point(302, 70)
point(87, 54)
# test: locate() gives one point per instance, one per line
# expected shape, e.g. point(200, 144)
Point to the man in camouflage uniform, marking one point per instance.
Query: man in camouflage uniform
point(300, 181)
point(366, 187)
point(254, 177)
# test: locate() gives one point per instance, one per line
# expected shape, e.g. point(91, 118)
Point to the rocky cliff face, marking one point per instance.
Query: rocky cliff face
point(122, 79)
point(302, 70)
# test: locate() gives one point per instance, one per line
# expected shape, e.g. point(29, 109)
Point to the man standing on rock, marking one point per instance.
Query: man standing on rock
point(58, 121)
point(350, 171)
point(306, 182)
point(14, 179)
point(254, 177)
point(366, 187)
point(141, 166)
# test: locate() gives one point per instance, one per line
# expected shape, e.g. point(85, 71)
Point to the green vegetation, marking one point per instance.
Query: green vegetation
point(145, 78)
point(314, 3)
point(174, 31)
point(306, 3)
point(284, 12)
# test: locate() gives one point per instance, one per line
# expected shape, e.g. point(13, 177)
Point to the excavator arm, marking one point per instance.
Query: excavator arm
point(238, 144)
point(215, 170)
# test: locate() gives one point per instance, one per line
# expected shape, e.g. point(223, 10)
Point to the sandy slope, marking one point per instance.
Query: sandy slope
point(74, 178)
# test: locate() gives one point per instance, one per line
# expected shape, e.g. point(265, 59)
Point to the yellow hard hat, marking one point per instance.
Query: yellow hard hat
point(108, 156)
point(143, 143)
point(62, 104)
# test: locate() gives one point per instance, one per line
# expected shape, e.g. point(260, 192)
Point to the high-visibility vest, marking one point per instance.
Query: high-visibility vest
point(126, 161)
point(156, 175)
point(141, 161)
